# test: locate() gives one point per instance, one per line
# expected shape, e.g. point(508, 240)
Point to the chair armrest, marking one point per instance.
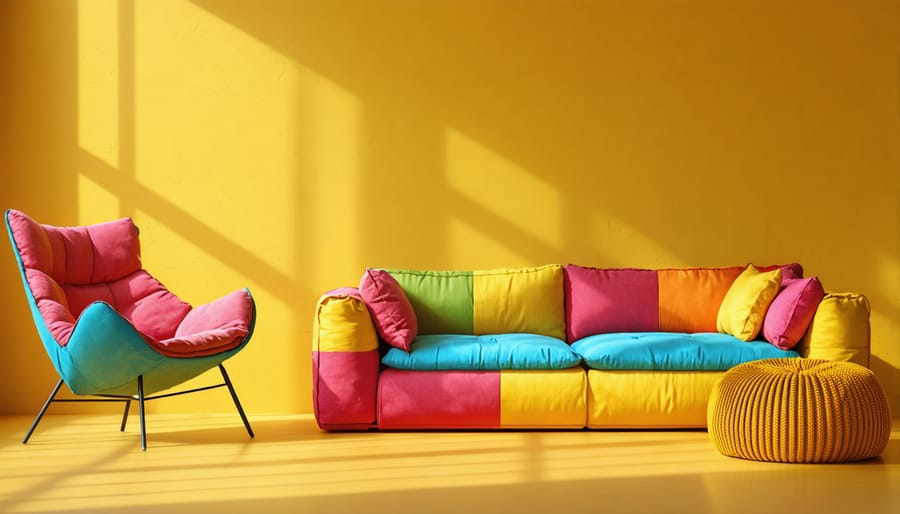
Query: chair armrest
point(104, 352)
point(213, 328)
point(234, 310)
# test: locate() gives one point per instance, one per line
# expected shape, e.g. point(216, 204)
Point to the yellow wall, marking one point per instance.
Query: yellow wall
point(285, 145)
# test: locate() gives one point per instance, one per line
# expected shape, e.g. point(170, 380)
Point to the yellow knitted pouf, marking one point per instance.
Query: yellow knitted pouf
point(799, 410)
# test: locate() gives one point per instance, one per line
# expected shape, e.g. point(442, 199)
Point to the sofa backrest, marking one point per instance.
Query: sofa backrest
point(487, 301)
point(568, 303)
point(646, 300)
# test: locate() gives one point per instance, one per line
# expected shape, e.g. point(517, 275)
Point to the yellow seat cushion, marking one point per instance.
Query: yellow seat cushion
point(799, 410)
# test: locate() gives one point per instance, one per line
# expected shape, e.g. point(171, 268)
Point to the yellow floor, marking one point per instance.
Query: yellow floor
point(208, 464)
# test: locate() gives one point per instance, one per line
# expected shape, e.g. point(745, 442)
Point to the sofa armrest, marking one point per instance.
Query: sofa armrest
point(839, 330)
point(345, 362)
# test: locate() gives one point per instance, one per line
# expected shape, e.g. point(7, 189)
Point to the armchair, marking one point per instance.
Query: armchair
point(111, 330)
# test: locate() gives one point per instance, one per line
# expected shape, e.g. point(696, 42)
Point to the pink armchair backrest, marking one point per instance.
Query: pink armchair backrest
point(68, 268)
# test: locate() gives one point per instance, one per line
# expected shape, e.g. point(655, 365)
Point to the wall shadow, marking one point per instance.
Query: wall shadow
point(40, 118)
point(889, 377)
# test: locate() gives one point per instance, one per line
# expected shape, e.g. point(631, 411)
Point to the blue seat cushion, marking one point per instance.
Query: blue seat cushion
point(485, 352)
point(672, 351)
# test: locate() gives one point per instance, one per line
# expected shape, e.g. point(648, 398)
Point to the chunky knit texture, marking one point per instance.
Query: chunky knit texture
point(799, 410)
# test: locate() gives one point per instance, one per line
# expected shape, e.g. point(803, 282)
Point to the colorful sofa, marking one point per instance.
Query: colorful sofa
point(563, 346)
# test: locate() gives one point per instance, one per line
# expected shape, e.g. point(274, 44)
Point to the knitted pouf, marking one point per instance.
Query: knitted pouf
point(799, 410)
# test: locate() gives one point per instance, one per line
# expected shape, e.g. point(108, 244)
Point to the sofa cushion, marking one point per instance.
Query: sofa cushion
point(610, 300)
point(497, 301)
point(442, 300)
point(671, 351)
point(792, 310)
point(744, 306)
point(486, 352)
point(646, 300)
point(392, 313)
point(689, 298)
point(527, 300)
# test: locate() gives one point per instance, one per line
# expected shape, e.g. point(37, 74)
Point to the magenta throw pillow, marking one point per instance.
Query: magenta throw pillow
point(792, 310)
point(395, 319)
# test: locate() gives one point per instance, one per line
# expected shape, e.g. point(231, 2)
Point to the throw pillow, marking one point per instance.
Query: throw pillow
point(745, 304)
point(792, 310)
point(395, 319)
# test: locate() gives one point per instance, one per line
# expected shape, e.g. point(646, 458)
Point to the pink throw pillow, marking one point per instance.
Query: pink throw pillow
point(392, 312)
point(792, 310)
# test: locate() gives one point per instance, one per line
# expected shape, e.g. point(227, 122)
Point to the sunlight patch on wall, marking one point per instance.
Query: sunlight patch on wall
point(178, 262)
point(330, 118)
point(471, 247)
point(96, 203)
point(213, 132)
point(98, 81)
point(508, 199)
point(619, 244)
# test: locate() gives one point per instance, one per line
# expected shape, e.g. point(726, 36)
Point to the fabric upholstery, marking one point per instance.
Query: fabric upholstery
point(792, 310)
point(689, 298)
point(344, 389)
point(519, 300)
point(77, 255)
point(342, 323)
point(345, 361)
point(746, 302)
point(438, 399)
point(642, 300)
point(671, 351)
point(610, 300)
point(394, 316)
point(648, 399)
point(210, 328)
point(487, 352)
point(546, 399)
point(491, 301)
point(840, 330)
point(442, 300)
point(481, 399)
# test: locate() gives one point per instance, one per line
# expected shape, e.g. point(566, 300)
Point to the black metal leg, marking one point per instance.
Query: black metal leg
point(141, 406)
point(40, 415)
point(141, 400)
point(125, 415)
point(237, 402)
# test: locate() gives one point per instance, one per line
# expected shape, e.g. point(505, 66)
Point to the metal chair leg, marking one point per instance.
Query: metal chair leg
point(140, 385)
point(40, 415)
point(125, 415)
point(237, 402)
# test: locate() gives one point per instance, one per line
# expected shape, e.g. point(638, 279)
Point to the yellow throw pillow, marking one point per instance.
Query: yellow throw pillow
point(744, 307)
